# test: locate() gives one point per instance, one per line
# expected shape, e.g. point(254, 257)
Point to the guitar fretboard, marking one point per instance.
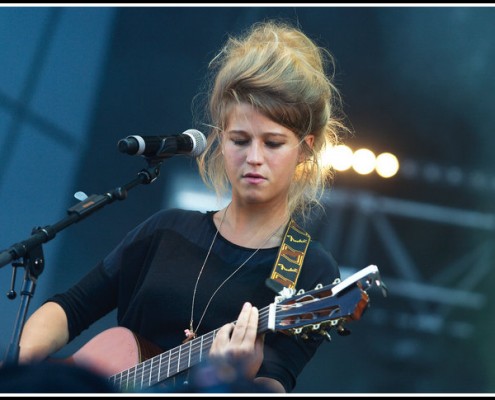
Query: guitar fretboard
point(165, 365)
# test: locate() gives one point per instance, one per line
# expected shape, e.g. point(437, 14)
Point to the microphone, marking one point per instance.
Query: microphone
point(191, 142)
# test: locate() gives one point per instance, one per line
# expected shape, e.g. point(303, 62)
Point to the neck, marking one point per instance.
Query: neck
point(252, 227)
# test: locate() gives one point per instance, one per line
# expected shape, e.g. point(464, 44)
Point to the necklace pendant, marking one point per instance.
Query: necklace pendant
point(190, 335)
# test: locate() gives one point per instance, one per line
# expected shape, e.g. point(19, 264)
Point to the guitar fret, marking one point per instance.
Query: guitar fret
point(168, 367)
point(182, 359)
point(134, 379)
point(193, 356)
point(151, 372)
point(127, 380)
point(122, 380)
point(140, 373)
point(189, 361)
point(159, 376)
point(137, 376)
point(178, 359)
point(155, 372)
point(147, 372)
point(130, 379)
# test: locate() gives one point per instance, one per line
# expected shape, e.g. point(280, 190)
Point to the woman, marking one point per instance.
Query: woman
point(182, 274)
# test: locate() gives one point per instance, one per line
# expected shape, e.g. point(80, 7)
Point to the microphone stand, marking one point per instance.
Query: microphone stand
point(31, 249)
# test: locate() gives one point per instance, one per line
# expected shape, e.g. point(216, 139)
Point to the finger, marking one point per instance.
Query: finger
point(252, 326)
point(242, 324)
point(222, 338)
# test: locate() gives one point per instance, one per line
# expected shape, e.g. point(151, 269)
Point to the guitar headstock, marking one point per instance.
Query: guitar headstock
point(324, 307)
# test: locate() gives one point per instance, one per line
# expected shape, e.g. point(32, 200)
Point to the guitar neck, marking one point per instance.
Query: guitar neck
point(170, 363)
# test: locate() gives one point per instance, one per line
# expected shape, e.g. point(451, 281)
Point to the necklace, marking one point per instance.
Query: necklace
point(191, 333)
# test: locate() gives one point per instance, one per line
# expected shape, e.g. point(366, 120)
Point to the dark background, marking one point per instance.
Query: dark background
point(416, 81)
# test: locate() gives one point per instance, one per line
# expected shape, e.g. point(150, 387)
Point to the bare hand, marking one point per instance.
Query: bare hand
point(240, 344)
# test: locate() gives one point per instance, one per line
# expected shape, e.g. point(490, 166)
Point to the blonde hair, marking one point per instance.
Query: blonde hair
point(281, 72)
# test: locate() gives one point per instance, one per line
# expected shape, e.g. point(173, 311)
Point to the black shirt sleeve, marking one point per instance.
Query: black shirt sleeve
point(92, 298)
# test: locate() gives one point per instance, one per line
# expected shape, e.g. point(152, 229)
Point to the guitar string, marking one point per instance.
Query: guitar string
point(145, 371)
point(142, 369)
point(173, 357)
point(264, 313)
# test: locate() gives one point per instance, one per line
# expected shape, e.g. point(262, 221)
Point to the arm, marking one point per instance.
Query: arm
point(45, 332)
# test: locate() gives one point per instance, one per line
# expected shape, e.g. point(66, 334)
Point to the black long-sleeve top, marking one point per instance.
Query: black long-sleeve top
point(150, 278)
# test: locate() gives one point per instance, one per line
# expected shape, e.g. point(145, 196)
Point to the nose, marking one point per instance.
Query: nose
point(254, 153)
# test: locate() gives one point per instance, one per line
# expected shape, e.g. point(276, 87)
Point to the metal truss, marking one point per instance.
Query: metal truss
point(435, 300)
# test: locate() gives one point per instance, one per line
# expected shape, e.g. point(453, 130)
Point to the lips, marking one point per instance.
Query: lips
point(254, 178)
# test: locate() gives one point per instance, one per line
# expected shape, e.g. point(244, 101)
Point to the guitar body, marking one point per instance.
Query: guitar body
point(112, 351)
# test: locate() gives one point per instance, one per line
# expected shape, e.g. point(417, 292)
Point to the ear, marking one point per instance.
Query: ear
point(309, 140)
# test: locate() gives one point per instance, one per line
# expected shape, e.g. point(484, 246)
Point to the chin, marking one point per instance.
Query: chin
point(253, 199)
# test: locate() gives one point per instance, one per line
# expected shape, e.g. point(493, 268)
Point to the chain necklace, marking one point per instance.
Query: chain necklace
point(191, 333)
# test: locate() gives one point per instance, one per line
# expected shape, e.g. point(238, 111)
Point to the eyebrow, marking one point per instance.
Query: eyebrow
point(243, 132)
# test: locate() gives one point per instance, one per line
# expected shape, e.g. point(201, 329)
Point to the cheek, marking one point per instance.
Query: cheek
point(231, 156)
point(285, 165)
point(232, 163)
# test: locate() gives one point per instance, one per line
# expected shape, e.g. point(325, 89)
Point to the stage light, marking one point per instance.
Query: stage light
point(339, 157)
point(387, 165)
point(363, 161)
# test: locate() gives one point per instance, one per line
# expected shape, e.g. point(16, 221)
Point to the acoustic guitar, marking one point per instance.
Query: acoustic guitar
point(133, 364)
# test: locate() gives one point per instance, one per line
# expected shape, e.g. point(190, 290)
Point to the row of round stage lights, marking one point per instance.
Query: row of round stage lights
point(363, 161)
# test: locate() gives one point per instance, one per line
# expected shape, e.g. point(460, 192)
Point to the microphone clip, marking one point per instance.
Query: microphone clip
point(168, 148)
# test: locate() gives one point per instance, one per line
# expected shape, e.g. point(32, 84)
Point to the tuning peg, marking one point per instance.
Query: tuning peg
point(382, 285)
point(342, 331)
point(325, 333)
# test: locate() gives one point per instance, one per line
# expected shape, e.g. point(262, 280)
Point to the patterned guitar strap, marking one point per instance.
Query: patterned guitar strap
point(290, 258)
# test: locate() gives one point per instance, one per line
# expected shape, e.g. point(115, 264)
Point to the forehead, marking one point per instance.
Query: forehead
point(245, 118)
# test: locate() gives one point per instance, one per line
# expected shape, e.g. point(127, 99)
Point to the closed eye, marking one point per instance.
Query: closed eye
point(273, 145)
point(240, 142)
